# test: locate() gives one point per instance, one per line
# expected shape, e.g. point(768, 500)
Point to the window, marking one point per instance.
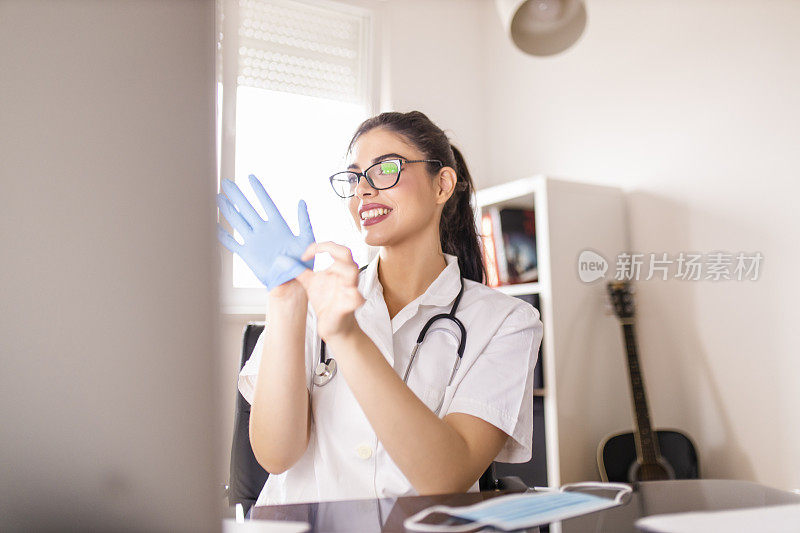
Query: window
point(295, 79)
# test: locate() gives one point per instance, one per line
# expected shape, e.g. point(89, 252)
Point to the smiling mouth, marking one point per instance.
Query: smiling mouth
point(373, 216)
point(372, 213)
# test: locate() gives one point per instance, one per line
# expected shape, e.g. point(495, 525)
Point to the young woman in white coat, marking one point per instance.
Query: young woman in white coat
point(367, 432)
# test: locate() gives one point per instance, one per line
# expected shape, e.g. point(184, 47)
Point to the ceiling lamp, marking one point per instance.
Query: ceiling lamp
point(542, 27)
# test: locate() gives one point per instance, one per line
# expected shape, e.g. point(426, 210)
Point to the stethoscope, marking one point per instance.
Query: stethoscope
point(326, 368)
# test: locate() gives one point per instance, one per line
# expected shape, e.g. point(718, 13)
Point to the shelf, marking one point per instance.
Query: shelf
point(516, 289)
point(513, 191)
point(519, 194)
point(577, 411)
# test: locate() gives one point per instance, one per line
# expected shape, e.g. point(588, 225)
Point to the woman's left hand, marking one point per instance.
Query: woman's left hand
point(333, 292)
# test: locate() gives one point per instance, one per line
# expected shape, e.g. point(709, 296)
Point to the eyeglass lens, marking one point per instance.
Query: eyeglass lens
point(383, 175)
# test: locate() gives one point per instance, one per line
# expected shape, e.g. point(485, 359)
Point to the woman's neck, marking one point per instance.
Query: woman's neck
point(405, 276)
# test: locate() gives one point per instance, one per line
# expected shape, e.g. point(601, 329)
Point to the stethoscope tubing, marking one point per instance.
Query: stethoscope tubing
point(326, 369)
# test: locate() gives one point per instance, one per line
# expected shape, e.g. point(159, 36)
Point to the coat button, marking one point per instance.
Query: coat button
point(364, 451)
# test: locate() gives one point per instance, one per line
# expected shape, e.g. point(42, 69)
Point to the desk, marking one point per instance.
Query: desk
point(648, 498)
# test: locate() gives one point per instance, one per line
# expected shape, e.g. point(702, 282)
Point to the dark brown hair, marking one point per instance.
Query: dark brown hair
point(457, 232)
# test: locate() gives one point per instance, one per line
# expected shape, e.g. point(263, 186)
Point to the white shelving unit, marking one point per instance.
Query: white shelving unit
point(585, 390)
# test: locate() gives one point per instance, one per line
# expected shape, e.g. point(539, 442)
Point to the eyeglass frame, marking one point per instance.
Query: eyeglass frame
point(369, 180)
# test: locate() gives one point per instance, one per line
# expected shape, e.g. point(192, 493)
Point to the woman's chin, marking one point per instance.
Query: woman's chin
point(374, 237)
point(371, 239)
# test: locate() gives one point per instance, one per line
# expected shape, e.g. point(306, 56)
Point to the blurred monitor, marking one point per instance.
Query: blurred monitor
point(108, 281)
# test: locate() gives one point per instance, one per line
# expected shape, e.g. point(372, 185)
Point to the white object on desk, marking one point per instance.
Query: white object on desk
point(771, 519)
point(229, 525)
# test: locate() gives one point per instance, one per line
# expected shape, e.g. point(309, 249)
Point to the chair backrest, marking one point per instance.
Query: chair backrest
point(247, 477)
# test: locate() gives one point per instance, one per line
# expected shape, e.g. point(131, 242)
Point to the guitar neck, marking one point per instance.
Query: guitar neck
point(645, 441)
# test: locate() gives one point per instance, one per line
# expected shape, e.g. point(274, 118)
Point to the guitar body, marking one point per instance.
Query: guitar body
point(617, 459)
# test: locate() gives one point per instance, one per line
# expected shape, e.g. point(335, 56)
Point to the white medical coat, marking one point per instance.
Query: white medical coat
point(344, 458)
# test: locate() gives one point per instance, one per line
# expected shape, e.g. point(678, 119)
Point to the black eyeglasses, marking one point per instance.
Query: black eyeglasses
point(381, 175)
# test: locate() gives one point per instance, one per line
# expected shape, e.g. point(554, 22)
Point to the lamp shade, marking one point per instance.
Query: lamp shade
point(542, 27)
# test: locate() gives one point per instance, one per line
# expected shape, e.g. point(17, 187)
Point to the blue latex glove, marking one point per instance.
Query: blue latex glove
point(270, 248)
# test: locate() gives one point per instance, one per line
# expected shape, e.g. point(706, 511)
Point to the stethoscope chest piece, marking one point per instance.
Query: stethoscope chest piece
point(324, 372)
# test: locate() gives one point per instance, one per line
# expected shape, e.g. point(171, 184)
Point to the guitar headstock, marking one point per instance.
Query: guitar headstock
point(621, 294)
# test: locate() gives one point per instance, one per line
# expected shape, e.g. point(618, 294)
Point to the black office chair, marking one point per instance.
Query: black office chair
point(247, 477)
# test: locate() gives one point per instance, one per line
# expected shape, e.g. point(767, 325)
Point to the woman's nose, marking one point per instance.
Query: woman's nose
point(364, 187)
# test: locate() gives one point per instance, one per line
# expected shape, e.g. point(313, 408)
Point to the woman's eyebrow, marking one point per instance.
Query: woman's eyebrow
point(392, 154)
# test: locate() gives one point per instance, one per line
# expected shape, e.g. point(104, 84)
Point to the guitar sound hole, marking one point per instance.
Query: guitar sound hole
point(650, 472)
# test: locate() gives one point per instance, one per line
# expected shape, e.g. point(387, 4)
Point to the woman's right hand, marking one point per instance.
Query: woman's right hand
point(269, 245)
point(333, 292)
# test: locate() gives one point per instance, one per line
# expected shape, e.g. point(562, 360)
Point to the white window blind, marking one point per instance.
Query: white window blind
point(296, 79)
point(295, 47)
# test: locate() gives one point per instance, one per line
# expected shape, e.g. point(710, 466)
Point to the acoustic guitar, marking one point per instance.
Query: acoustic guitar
point(643, 454)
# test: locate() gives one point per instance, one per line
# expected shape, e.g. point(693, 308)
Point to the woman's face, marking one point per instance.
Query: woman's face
point(412, 202)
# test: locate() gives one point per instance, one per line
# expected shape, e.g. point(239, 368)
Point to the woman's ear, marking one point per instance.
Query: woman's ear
point(446, 184)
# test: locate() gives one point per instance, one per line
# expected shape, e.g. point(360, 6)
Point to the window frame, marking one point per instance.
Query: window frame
point(253, 301)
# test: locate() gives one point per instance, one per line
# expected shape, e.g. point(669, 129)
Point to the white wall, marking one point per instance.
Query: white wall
point(437, 66)
point(693, 107)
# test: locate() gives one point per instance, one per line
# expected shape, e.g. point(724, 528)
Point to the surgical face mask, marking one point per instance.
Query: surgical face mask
point(518, 511)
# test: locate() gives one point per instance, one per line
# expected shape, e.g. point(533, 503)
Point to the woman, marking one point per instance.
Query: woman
point(366, 432)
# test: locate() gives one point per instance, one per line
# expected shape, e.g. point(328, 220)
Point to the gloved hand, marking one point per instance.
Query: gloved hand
point(269, 246)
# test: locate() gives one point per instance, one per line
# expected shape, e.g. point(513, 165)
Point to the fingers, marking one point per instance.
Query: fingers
point(233, 217)
point(343, 264)
point(356, 299)
point(227, 241)
point(347, 298)
point(303, 220)
point(238, 199)
point(266, 202)
point(337, 251)
point(348, 273)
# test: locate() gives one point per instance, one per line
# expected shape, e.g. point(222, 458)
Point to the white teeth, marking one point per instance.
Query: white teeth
point(372, 213)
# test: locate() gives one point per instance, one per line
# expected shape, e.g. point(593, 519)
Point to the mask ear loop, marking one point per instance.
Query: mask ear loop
point(622, 497)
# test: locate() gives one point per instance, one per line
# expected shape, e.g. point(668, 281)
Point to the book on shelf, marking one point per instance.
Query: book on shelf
point(538, 373)
point(509, 245)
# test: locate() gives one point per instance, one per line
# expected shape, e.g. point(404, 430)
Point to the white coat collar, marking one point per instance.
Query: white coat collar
point(373, 316)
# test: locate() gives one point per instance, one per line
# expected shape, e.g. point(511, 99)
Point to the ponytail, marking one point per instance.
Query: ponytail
point(457, 231)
